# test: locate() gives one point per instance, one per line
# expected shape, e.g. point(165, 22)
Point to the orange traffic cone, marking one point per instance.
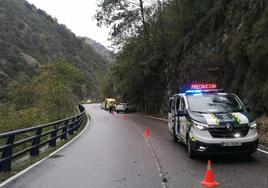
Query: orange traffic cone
point(147, 132)
point(209, 180)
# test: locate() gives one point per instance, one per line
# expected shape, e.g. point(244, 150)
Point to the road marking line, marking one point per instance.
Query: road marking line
point(42, 160)
point(263, 151)
point(157, 163)
point(152, 117)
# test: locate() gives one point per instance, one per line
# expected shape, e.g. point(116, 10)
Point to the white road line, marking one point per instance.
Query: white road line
point(263, 151)
point(162, 119)
point(152, 117)
point(42, 160)
point(156, 160)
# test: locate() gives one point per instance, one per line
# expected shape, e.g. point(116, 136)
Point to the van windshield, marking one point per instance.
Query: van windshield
point(214, 103)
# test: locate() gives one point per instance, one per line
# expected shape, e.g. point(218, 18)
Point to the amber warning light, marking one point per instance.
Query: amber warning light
point(204, 86)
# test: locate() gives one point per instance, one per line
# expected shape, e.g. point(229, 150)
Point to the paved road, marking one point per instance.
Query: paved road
point(113, 153)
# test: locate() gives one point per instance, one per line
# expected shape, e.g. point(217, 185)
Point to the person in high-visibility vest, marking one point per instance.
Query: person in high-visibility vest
point(110, 106)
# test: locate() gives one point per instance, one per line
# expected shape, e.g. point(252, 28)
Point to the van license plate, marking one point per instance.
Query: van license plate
point(231, 144)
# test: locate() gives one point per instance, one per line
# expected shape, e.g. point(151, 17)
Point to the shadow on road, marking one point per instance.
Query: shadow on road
point(228, 159)
point(223, 159)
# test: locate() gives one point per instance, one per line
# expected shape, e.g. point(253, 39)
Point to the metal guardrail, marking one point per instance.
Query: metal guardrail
point(29, 140)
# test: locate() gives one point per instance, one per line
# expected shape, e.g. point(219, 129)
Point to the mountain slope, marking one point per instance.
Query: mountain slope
point(29, 38)
point(102, 50)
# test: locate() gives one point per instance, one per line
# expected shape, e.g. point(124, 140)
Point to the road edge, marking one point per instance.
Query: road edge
point(45, 158)
point(263, 149)
point(152, 117)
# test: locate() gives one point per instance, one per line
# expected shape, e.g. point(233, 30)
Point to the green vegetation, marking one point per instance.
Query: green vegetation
point(49, 96)
point(45, 70)
point(263, 129)
point(30, 38)
point(164, 45)
point(59, 84)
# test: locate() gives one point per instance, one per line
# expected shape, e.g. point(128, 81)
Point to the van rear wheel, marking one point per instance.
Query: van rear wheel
point(175, 139)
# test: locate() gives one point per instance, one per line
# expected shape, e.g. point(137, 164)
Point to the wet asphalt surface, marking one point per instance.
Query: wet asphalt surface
point(112, 152)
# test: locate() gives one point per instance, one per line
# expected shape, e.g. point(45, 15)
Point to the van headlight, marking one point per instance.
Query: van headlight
point(200, 126)
point(253, 125)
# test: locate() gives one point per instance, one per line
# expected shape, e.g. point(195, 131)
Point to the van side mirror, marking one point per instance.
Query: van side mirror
point(248, 109)
point(181, 112)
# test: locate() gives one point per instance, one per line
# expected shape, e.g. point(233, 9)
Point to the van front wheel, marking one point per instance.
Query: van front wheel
point(175, 138)
point(191, 153)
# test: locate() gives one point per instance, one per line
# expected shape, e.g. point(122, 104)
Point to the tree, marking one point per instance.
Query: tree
point(187, 41)
point(57, 84)
point(125, 18)
point(21, 93)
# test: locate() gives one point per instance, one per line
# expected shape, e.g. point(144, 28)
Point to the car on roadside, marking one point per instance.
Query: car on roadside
point(124, 107)
point(89, 101)
point(210, 121)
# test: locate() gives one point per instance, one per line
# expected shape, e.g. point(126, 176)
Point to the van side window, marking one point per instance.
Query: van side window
point(178, 103)
point(170, 105)
point(183, 105)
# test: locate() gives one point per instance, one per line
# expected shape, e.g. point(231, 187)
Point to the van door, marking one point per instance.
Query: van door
point(182, 120)
point(171, 116)
point(177, 106)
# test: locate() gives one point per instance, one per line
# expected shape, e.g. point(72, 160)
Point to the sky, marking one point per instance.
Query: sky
point(77, 15)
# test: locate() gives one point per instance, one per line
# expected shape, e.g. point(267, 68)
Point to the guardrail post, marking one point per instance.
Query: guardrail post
point(81, 108)
point(71, 130)
point(53, 140)
point(64, 130)
point(7, 153)
point(36, 143)
point(80, 121)
point(76, 123)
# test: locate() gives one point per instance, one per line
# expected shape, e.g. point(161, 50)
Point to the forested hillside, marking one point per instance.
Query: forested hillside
point(169, 43)
point(30, 38)
point(102, 50)
point(45, 70)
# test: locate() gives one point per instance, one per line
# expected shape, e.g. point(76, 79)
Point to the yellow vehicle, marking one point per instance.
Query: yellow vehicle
point(109, 103)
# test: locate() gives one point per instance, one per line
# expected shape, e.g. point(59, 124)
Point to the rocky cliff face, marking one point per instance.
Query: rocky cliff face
point(230, 46)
